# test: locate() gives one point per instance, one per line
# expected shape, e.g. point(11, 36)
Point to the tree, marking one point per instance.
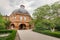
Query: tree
point(47, 15)
point(7, 23)
point(39, 16)
point(2, 22)
point(56, 13)
point(57, 23)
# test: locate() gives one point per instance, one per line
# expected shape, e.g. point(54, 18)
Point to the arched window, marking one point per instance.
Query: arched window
point(14, 17)
point(20, 18)
point(24, 18)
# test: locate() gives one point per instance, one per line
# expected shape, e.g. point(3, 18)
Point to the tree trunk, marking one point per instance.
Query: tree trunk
point(52, 29)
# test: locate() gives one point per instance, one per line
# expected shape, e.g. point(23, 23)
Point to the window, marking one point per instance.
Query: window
point(20, 18)
point(14, 17)
point(24, 18)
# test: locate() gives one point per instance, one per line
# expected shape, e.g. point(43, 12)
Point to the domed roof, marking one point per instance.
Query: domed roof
point(21, 10)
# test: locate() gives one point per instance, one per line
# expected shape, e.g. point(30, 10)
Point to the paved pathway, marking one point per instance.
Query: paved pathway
point(4, 35)
point(30, 35)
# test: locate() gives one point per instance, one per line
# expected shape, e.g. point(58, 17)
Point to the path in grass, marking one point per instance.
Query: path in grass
point(30, 35)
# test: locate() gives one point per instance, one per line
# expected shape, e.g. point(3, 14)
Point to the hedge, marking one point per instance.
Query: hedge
point(11, 36)
point(47, 32)
point(5, 31)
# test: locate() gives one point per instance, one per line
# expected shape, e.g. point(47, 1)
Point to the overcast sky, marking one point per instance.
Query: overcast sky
point(7, 6)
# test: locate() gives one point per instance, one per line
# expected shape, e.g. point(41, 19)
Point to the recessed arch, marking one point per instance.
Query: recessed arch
point(22, 26)
point(12, 25)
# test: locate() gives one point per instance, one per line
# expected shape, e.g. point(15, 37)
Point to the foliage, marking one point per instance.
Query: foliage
point(5, 31)
point(58, 23)
point(7, 23)
point(47, 16)
point(2, 22)
point(10, 37)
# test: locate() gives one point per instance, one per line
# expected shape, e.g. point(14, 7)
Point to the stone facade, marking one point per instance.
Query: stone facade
point(20, 19)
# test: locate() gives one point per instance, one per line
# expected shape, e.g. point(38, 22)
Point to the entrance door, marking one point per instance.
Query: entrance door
point(22, 26)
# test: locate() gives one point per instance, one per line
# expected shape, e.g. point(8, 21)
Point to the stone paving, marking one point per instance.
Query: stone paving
point(4, 35)
point(30, 35)
point(17, 37)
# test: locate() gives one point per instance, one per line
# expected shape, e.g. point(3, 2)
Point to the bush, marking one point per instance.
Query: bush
point(5, 31)
point(11, 36)
point(40, 26)
point(47, 32)
point(58, 28)
point(2, 28)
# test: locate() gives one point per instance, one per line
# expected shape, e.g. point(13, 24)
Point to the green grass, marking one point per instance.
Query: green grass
point(10, 37)
point(3, 38)
point(48, 32)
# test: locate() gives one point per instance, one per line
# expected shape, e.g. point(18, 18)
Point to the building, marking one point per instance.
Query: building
point(20, 19)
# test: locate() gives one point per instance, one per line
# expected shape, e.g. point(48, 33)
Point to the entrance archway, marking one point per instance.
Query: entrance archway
point(22, 26)
point(12, 26)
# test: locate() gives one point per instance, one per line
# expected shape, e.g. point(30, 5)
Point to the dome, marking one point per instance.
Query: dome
point(21, 10)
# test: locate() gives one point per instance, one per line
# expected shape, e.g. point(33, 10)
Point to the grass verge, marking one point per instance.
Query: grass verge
point(48, 32)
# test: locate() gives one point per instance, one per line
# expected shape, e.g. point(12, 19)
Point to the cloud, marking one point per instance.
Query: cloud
point(7, 6)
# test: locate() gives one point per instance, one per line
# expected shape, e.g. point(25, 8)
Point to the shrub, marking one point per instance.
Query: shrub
point(2, 27)
point(11, 36)
point(58, 28)
point(5, 31)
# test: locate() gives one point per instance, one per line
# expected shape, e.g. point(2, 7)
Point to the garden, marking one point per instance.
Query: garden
point(46, 20)
point(6, 34)
point(10, 34)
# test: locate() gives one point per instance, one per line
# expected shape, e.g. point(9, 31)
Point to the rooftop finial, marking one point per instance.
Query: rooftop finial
point(22, 6)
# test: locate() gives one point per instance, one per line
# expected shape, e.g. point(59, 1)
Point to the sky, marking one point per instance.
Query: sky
point(8, 6)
